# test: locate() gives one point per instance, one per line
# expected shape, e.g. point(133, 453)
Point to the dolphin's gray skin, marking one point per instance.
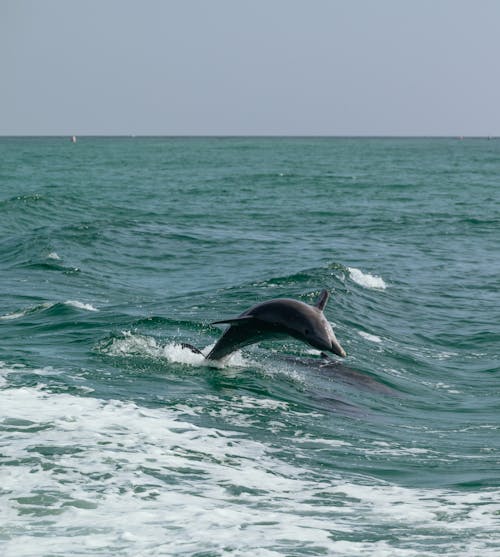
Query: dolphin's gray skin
point(277, 319)
point(327, 366)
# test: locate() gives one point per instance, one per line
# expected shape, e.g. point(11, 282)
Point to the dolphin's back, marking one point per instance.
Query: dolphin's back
point(278, 318)
point(267, 320)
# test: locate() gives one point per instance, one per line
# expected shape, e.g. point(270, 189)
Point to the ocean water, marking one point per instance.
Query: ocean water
point(116, 441)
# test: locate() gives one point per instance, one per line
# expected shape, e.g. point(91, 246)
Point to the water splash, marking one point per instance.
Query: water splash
point(135, 344)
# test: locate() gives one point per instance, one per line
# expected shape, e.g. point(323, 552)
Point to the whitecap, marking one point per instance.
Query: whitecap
point(80, 305)
point(53, 255)
point(47, 305)
point(26, 311)
point(15, 315)
point(367, 280)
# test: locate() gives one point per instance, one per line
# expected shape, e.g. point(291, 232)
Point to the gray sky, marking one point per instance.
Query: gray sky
point(308, 67)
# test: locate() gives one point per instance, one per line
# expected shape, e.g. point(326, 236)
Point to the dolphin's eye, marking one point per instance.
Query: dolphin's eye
point(306, 332)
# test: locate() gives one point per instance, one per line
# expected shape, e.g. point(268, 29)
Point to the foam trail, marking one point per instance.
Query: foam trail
point(190, 487)
point(366, 280)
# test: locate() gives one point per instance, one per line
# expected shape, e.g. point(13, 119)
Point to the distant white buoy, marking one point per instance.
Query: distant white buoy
point(73, 139)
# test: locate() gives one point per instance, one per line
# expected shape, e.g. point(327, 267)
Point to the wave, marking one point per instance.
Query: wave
point(366, 280)
point(80, 305)
point(22, 200)
point(332, 276)
point(33, 250)
point(83, 459)
point(27, 311)
point(44, 306)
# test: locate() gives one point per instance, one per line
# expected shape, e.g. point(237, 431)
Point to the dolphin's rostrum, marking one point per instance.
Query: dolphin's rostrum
point(278, 318)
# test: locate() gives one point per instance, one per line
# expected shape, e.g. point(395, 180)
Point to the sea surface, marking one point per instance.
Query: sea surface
point(117, 441)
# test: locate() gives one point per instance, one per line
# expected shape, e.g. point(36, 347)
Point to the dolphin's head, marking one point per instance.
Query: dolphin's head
point(319, 334)
point(312, 326)
point(302, 321)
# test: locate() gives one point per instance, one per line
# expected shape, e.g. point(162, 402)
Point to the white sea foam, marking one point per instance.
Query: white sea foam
point(80, 305)
point(385, 448)
point(3, 373)
point(370, 337)
point(27, 311)
point(53, 255)
point(79, 461)
point(237, 412)
point(135, 344)
point(15, 315)
point(44, 306)
point(367, 280)
point(313, 351)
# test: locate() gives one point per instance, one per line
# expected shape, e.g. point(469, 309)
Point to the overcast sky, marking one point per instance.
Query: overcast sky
point(238, 67)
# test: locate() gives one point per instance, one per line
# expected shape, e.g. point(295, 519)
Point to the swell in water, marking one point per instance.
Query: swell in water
point(115, 251)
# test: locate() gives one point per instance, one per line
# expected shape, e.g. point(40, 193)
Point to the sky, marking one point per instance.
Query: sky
point(254, 67)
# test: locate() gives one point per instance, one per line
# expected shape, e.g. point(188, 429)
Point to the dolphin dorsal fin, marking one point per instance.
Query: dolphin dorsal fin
point(233, 320)
point(322, 300)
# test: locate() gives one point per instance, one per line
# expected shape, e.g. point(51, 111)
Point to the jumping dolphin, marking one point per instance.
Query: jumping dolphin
point(278, 318)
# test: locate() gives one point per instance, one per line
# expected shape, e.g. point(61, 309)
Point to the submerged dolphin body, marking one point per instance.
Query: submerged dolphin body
point(351, 377)
point(278, 318)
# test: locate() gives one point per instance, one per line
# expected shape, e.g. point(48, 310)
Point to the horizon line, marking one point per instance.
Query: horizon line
point(257, 136)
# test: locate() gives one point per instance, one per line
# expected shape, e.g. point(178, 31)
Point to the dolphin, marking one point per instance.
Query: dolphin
point(327, 366)
point(282, 317)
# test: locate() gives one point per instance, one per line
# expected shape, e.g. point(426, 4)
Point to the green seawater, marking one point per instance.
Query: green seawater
point(116, 441)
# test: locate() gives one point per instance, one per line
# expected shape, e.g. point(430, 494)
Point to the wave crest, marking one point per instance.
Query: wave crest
point(366, 280)
point(44, 306)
